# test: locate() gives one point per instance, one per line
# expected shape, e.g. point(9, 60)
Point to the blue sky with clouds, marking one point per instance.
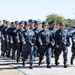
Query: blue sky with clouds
point(35, 9)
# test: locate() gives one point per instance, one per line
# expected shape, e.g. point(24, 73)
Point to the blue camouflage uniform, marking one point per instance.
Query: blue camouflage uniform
point(45, 37)
point(53, 30)
point(19, 51)
point(28, 48)
point(9, 44)
point(14, 39)
point(1, 29)
point(73, 48)
point(62, 41)
point(37, 31)
point(4, 42)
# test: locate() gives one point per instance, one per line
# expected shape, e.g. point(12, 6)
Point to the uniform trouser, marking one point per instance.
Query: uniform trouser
point(26, 51)
point(38, 49)
point(58, 52)
point(1, 45)
point(9, 46)
point(53, 49)
point(73, 52)
point(35, 51)
point(4, 45)
point(45, 49)
point(14, 48)
point(19, 51)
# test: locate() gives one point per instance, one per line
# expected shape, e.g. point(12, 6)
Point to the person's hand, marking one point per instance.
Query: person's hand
point(41, 44)
point(7, 40)
point(24, 43)
point(11, 42)
point(3, 39)
point(35, 46)
point(52, 44)
point(57, 46)
point(18, 41)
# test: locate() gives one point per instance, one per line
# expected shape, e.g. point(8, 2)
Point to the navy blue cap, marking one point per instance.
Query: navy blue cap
point(30, 20)
point(35, 21)
point(25, 23)
point(61, 24)
point(44, 23)
point(12, 23)
point(4, 20)
point(21, 23)
point(38, 22)
point(7, 22)
point(16, 22)
point(53, 22)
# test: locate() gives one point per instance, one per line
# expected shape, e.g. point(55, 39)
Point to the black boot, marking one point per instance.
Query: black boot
point(71, 62)
point(8, 55)
point(17, 60)
point(13, 57)
point(3, 54)
point(48, 66)
point(23, 63)
point(39, 63)
point(31, 67)
point(52, 55)
point(65, 66)
point(56, 62)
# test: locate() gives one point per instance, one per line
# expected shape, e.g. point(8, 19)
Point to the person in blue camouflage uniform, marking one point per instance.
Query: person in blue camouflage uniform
point(9, 39)
point(31, 23)
point(62, 42)
point(21, 31)
point(37, 30)
point(45, 40)
point(4, 37)
point(53, 29)
point(14, 36)
point(29, 40)
point(1, 29)
point(73, 48)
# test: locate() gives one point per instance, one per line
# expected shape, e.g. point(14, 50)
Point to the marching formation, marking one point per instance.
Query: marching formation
point(33, 39)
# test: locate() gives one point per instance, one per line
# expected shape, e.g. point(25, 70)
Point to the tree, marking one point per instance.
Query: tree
point(70, 21)
point(56, 17)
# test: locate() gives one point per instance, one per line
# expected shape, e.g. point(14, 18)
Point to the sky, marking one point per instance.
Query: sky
point(35, 9)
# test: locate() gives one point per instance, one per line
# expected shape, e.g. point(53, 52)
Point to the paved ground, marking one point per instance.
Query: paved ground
point(6, 67)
